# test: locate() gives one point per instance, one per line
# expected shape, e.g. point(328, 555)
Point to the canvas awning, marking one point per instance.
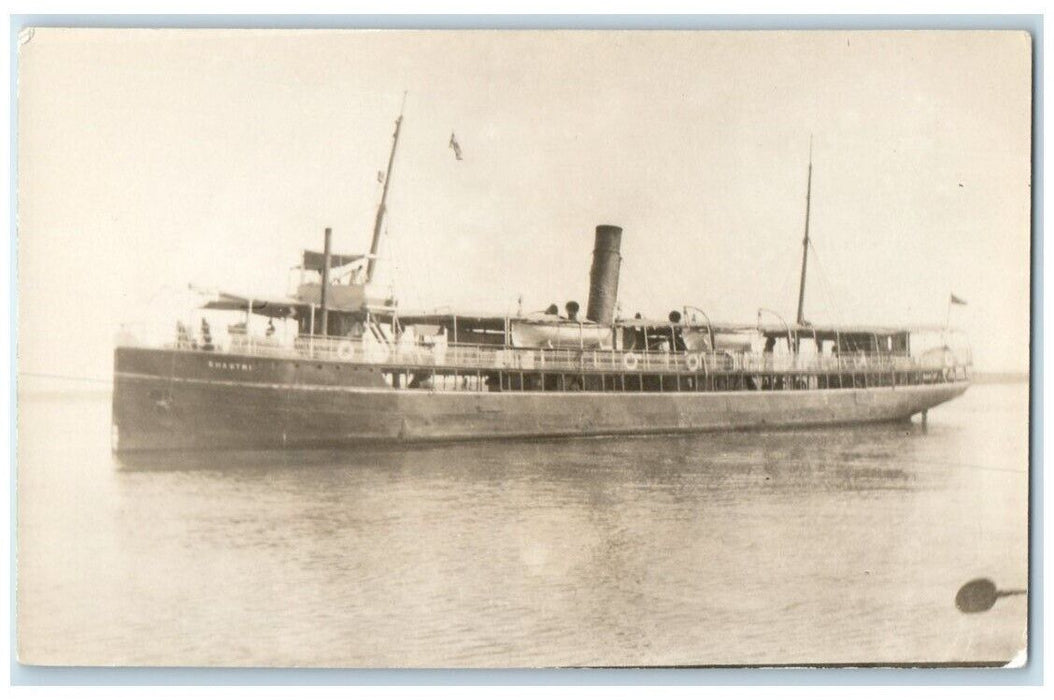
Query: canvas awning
point(313, 260)
point(272, 308)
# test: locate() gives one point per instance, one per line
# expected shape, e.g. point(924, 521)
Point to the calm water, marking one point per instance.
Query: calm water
point(842, 545)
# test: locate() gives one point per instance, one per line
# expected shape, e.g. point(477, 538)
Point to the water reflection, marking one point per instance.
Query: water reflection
point(782, 546)
point(832, 458)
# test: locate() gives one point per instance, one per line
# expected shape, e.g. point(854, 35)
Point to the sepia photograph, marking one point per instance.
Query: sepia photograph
point(418, 349)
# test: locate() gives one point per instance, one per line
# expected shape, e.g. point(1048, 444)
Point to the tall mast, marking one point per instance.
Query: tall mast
point(376, 243)
point(805, 243)
point(325, 283)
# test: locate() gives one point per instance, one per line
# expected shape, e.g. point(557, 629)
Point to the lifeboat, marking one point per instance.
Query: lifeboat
point(551, 331)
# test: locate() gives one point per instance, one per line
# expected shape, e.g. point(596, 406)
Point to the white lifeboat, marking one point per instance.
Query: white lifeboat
point(542, 330)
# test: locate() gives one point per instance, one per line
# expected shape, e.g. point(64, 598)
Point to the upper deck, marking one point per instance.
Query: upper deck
point(412, 363)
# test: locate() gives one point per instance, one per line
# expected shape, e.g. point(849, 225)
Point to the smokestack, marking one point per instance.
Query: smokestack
point(603, 276)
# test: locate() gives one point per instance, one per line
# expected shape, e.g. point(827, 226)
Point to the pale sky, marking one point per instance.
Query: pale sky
point(150, 159)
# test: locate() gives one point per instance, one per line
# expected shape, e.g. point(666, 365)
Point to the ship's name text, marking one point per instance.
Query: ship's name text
point(244, 367)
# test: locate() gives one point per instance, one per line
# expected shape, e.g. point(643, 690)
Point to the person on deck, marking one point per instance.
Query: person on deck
point(206, 336)
point(182, 336)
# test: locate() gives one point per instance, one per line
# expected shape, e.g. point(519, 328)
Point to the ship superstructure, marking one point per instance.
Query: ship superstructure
point(358, 369)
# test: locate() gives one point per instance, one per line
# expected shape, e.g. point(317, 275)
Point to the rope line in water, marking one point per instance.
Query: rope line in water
point(966, 465)
point(945, 463)
point(872, 464)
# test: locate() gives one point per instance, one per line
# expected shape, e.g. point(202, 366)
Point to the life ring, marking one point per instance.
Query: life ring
point(629, 361)
point(345, 351)
point(692, 363)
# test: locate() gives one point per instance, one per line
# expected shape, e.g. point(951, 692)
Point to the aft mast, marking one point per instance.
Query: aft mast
point(382, 207)
point(805, 243)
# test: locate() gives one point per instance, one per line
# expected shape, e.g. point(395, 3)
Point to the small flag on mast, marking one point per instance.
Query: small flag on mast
point(956, 300)
point(456, 146)
point(380, 177)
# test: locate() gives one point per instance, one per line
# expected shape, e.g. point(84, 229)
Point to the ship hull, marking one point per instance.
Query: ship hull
point(248, 403)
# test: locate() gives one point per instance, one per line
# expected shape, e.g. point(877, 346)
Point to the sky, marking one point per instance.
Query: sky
point(153, 159)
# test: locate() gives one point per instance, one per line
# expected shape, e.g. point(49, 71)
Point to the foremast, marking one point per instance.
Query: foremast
point(382, 207)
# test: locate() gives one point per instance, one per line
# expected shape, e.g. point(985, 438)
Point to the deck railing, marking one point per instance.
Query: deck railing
point(477, 358)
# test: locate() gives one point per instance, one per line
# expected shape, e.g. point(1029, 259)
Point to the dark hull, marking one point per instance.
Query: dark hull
point(171, 400)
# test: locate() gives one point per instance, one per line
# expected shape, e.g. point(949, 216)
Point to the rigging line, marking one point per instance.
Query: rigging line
point(403, 286)
point(827, 290)
point(788, 281)
point(394, 273)
point(629, 289)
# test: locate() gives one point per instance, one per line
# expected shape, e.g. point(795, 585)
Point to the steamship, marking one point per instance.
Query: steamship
point(359, 370)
